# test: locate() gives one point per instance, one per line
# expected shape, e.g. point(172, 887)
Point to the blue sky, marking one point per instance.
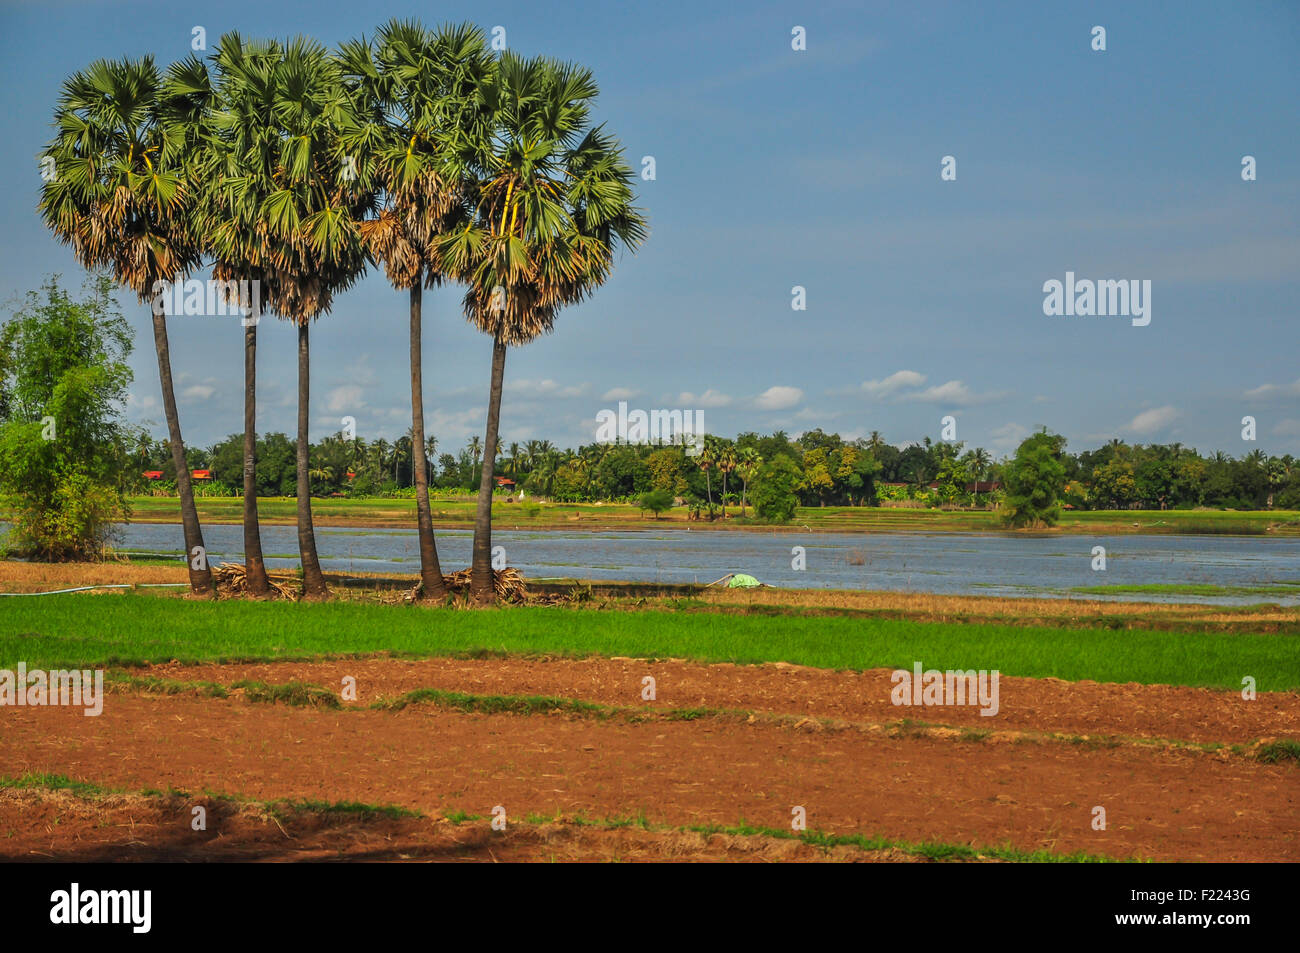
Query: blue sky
point(818, 168)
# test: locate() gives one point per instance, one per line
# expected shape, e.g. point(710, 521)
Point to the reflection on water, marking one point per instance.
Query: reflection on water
point(974, 564)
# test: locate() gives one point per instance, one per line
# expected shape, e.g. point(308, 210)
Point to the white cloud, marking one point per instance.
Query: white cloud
point(710, 398)
point(620, 393)
point(779, 397)
point(892, 383)
point(139, 402)
point(952, 392)
point(1149, 421)
point(198, 392)
point(1276, 390)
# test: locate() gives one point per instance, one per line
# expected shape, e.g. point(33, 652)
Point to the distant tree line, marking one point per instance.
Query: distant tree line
point(819, 469)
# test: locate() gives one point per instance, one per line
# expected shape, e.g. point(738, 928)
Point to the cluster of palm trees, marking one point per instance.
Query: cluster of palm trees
point(419, 151)
point(727, 458)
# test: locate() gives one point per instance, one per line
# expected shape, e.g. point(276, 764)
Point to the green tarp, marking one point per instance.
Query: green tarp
point(741, 581)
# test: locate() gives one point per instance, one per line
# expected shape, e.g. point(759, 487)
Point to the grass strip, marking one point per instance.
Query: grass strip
point(74, 631)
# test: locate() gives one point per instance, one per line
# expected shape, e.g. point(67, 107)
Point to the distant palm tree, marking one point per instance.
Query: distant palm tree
point(705, 461)
point(748, 462)
point(401, 451)
point(1278, 474)
point(726, 463)
point(532, 453)
point(325, 473)
point(118, 198)
point(476, 451)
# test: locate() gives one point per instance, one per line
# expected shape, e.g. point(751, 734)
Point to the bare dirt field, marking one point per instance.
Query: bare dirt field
point(620, 784)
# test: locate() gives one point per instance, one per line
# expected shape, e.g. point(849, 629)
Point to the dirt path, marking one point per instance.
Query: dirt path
point(1161, 804)
point(1025, 704)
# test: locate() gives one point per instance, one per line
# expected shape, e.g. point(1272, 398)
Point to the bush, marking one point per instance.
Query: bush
point(64, 375)
point(657, 501)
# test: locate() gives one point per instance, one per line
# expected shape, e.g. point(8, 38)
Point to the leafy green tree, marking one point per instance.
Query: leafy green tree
point(1113, 484)
point(773, 494)
point(817, 481)
point(1035, 481)
point(63, 457)
point(665, 470)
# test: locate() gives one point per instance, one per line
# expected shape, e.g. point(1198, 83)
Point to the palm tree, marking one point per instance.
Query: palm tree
point(1278, 474)
point(234, 168)
point(401, 451)
point(377, 458)
point(748, 462)
point(476, 451)
point(321, 472)
point(551, 205)
point(320, 206)
point(313, 247)
point(726, 463)
point(979, 460)
point(118, 197)
point(412, 84)
point(705, 461)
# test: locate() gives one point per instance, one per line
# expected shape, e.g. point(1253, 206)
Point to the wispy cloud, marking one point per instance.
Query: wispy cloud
point(1275, 390)
point(893, 383)
point(954, 393)
point(544, 388)
point(710, 398)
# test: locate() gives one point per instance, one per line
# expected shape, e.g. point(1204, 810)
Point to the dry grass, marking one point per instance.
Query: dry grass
point(956, 608)
point(39, 577)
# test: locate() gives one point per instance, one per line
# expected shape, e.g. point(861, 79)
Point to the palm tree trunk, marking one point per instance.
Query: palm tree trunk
point(313, 583)
point(200, 579)
point(724, 496)
point(256, 580)
point(431, 582)
point(708, 483)
point(481, 587)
